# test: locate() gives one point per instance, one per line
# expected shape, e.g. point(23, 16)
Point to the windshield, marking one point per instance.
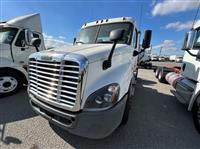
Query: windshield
point(101, 33)
point(197, 40)
point(7, 35)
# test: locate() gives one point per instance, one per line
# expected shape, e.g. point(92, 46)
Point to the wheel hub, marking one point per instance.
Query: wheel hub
point(7, 84)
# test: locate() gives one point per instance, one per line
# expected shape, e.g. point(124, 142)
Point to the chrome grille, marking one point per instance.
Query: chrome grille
point(54, 81)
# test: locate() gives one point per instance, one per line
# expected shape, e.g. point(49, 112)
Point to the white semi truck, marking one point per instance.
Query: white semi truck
point(144, 59)
point(172, 58)
point(186, 79)
point(15, 49)
point(87, 88)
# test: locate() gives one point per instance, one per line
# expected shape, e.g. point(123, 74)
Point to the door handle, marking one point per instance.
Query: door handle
point(23, 49)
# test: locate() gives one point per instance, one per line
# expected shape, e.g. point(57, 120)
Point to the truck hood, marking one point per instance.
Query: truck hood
point(93, 52)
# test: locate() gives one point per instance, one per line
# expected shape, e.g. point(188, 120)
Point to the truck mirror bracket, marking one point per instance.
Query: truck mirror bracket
point(108, 63)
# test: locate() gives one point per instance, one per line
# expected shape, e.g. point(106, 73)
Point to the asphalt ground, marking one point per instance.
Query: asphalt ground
point(157, 120)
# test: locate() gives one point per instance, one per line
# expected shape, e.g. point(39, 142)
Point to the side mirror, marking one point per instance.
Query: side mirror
point(74, 41)
point(147, 39)
point(116, 35)
point(28, 36)
point(36, 43)
point(189, 40)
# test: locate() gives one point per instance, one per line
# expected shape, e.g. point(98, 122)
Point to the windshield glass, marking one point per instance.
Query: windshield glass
point(197, 40)
point(101, 33)
point(7, 35)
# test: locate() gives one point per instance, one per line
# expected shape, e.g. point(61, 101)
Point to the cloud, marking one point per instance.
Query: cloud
point(173, 6)
point(53, 42)
point(179, 26)
point(61, 37)
point(153, 3)
point(166, 45)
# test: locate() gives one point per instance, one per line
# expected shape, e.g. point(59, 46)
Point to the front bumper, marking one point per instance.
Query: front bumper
point(93, 124)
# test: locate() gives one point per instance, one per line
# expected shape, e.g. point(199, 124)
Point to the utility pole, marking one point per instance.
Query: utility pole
point(150, 51)
point(160, 51)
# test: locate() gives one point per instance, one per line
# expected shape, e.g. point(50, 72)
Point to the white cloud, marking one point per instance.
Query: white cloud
point(166, 45)
point(179, 26)
point(53, 42)
point(153, 3)
point(174, 6)
point(61, 37)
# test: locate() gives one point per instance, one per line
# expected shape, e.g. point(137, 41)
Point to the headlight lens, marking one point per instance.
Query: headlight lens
point(103, 98)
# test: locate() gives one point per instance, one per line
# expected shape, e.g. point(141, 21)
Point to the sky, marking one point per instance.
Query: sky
point(62, 19)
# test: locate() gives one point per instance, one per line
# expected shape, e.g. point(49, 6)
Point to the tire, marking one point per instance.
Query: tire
point(161, 77)
point(136, 74)
point(157, 72)
point(196, 114)
point(128, 104)
point(10, 83)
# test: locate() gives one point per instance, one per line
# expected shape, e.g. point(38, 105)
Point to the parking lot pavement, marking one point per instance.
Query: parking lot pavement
point(157, 120)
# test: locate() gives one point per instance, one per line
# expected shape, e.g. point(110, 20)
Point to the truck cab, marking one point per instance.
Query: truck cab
point(187, 81)
point(15, 49)
point(86, 88)
point(144, 59)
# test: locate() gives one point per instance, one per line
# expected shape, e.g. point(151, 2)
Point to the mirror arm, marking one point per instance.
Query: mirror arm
point(188, 51)
point(142, 51)
point(107, 63)
point(37, 49)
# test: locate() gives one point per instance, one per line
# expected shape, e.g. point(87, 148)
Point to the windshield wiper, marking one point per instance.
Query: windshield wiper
point(104, 42)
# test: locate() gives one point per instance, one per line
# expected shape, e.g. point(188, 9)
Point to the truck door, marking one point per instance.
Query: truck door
point(20, 50)
point(135, 47)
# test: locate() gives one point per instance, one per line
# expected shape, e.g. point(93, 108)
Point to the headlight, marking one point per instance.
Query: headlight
point(103, 98)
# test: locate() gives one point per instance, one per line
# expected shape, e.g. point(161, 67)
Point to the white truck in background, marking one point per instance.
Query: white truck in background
point(144, 59)
point(154, 57)
point(87, 88)
point(172, 58)
point(179, 59)
point(15, 48)
point(186, 79)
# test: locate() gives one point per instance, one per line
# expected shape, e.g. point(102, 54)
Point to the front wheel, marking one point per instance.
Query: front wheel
point(196, 114)
point(128, 103)
point(161, 76)
point(10, 83)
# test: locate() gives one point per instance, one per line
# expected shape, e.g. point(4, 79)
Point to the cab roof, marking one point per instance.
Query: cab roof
point(197, 24)
point(32, 21)
point(107, 21)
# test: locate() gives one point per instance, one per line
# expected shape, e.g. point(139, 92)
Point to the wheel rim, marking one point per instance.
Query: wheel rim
point(156, 72)
point(159, 76)
point(7, 84)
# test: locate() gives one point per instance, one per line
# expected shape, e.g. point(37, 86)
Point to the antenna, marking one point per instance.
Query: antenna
point(196, 15)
